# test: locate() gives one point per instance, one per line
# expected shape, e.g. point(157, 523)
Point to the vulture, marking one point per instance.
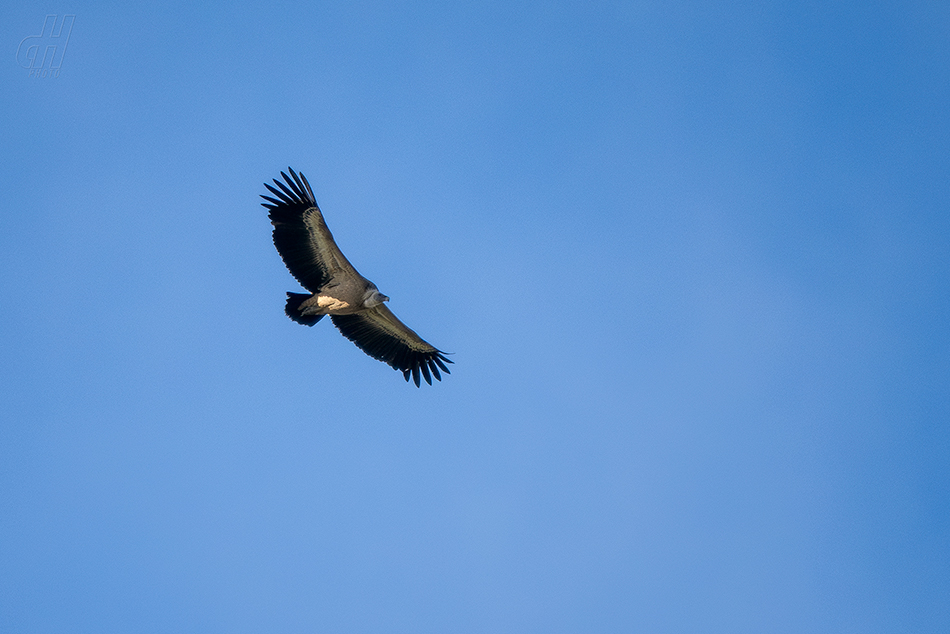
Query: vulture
point(354, 304)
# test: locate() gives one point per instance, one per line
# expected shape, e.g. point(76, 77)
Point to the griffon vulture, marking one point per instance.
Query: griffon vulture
point(354, 303)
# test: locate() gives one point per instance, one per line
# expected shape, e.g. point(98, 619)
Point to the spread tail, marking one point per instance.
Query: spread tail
point(294, 300)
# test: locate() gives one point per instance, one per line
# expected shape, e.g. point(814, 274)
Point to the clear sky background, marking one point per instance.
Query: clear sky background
point(692, 259)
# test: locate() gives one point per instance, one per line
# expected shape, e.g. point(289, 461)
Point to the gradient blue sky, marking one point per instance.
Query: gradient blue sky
point(693, 259)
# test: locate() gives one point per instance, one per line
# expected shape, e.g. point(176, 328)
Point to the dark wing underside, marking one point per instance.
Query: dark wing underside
point(295, 216)
point(378, 333)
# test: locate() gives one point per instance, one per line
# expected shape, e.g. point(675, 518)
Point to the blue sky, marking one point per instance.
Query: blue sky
point(692, 259)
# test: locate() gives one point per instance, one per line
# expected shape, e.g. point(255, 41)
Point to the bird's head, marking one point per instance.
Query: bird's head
point(373, 297)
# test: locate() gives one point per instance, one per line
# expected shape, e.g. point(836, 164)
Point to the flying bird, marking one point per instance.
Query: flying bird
point(355, 305)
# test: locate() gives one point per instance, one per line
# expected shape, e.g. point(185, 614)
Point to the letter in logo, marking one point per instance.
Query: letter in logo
point(55, 40)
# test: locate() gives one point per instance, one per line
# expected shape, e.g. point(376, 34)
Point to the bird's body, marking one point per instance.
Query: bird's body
point(354, 304)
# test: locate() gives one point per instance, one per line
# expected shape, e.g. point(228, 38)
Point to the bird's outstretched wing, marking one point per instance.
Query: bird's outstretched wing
point(301, 235)
point(378, 333)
